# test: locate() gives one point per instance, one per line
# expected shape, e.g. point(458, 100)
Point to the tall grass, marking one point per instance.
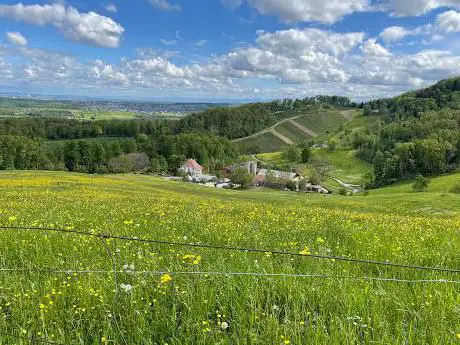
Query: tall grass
point(141, 308)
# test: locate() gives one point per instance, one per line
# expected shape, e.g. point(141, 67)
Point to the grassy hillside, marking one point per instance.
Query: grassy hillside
point(179, 308)
point(301, 127)
point(267, 142)
point(321, 123)
point(344, 163)
point(292, 132)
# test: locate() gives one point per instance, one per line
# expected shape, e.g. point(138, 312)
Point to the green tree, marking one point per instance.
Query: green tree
point(71, 155)
point(303, 184)
point(331, 144)
point(306, 154)
point(242, 177)
point(291, 154)
point(420, 184)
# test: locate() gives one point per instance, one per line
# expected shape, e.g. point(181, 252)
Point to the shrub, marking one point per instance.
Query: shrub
point(302, 184)
point(420, 184)
point(291, 185)
point(242, 177)
point(343, 191)
point(314, 178)
point(455, 189)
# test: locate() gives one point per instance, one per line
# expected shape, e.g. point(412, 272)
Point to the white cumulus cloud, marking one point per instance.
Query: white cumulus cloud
point(403, 8)
point(16, 38)
point(88, 27)
point(371, 47)
point(165, 5)
point(449, 22)
point(394, 34)
point(321, 11)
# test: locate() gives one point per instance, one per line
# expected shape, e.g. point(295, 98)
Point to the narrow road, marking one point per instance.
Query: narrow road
point(353, 187)
point(281, 137)
point(272, 128)
point(257, 159)
point(302, 128)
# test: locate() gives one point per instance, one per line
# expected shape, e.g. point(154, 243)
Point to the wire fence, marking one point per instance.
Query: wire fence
point(115, 272)
point(238, 249)
point(232, 274)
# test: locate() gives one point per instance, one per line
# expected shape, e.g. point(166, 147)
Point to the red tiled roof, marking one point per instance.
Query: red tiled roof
point(192, 164)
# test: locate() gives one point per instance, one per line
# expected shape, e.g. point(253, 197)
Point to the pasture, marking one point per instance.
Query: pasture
point(61, 287)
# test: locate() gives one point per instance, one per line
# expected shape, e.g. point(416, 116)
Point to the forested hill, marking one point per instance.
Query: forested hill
point(419, 134)
point(444, 94)
point(242, 121)
point(228, 122)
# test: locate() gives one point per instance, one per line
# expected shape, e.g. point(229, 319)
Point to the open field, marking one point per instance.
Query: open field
point(132, 307)
point(292, 132)
point(322, 122)
point(266, 142)
point(345, 165)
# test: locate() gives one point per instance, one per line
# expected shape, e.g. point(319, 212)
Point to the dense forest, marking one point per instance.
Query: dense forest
point(419, 134)
point(143, 153)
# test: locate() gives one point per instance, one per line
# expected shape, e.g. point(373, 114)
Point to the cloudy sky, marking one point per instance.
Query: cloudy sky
point(227, 49)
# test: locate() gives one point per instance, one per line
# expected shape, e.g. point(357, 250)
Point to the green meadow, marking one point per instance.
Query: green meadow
point(61, 287)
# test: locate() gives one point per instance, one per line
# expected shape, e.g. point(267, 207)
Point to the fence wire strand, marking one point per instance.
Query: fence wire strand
point(230, 274)
point(232, 248)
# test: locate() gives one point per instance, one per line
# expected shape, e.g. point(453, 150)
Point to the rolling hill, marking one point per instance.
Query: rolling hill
point(297, 129)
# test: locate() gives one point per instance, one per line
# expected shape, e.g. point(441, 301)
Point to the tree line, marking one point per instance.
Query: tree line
point(165, 153)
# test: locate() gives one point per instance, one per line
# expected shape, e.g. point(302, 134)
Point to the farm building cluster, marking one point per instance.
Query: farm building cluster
point(195, 173)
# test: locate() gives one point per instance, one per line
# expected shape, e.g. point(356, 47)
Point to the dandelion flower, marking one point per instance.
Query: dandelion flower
point(305, 251)
point(224, 325)
point(166, 278)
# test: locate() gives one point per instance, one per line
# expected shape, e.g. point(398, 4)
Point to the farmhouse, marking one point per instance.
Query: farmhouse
point(275, 177)
point(191, 167)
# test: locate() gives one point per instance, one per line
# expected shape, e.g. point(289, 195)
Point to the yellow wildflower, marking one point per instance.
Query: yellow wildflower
point(166, 278)
point(305, 251)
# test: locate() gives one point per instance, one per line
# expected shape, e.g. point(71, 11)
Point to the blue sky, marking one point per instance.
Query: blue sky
point(227, 49)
